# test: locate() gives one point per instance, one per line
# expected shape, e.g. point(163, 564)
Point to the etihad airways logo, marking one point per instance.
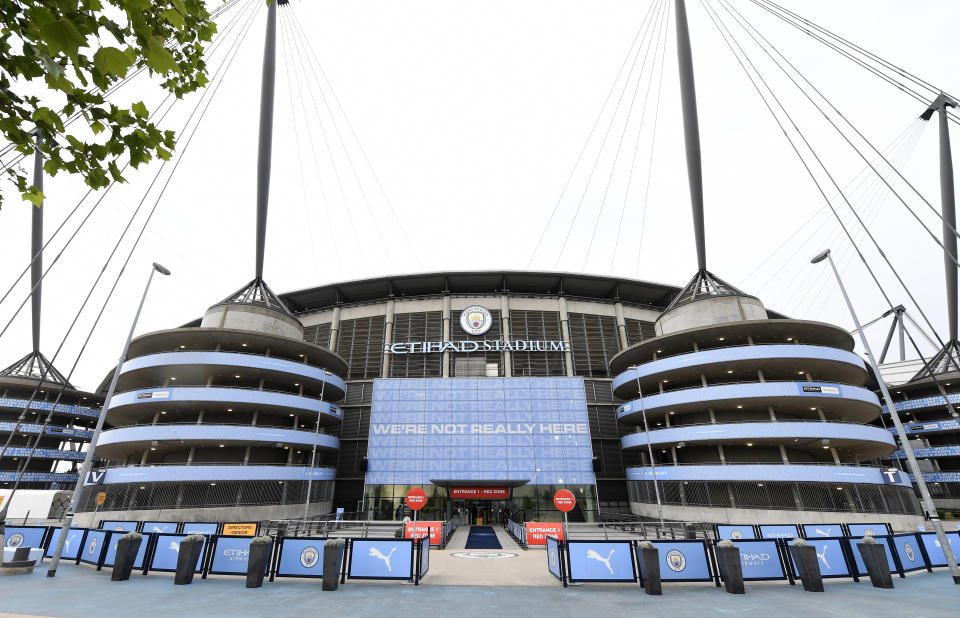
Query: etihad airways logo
point(512, 345)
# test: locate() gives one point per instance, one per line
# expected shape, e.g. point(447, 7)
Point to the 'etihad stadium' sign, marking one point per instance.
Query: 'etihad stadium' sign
point(513, 345)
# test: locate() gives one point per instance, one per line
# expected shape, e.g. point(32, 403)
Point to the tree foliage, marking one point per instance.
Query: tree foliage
point(58, 57)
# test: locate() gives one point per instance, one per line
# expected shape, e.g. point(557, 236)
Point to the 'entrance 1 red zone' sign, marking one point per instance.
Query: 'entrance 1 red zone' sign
point(433, 529)
point(479, 493)
point(564, 500)
point(416, 499)
point(538, 532)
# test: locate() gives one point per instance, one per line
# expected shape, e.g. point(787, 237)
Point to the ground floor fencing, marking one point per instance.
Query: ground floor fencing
point(576, 561)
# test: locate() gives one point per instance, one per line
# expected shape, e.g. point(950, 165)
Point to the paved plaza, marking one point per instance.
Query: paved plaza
point(82, 591)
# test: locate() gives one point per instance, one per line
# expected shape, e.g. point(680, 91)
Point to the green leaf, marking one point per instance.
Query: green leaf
point(34, 196)
point(112, 61)
point(140, 109)
point(62, 36)
point(175, 19)
point(97, 127)
point(159, 58)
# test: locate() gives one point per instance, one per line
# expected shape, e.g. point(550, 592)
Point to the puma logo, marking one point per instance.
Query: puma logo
point(606, 561)
point(376, 553)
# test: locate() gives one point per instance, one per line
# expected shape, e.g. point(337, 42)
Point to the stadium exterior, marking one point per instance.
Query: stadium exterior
point(491, 390)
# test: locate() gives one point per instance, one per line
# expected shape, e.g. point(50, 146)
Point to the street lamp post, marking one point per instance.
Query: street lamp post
point(907, 449)
point(646, 427)
point(313, 454)
point(88, 458)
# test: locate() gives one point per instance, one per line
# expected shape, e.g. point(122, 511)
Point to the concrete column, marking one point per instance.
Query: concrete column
point(143, 459)
point(256, 415)
point(387, 337)
point(200, 417)
point(445, 363)
point(621, 325)
point(733, 501)
point(565, 333)
point(334, 328)
point(783, 455)
point(505, 331)
point(723, 456)
point(156, 417)
point(821, 414)
point(760, 376)
point(246, 456)
point(190, 455)
point(773, 416)
point(836, 457)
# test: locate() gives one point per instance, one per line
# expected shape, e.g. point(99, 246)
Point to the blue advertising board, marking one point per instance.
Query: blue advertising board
point(71, 547)
point(683, 561)
point(908, 550)
point(166, 553)
point(861, 569)
point(160, 527)
point(829, 556)
point(601, 561)
point(111, 554)
point(862, 530)
point(192, 527)
point(301, 557)
point(424, 558)
point(231, 555)
point(381, 559)
point(779, 532)
point(93, 546)
point(125, 526)
point(760, 560)
point(813, 531)
point(554, 557)
point(932, 544)
point(735, 532)
point(25, 536)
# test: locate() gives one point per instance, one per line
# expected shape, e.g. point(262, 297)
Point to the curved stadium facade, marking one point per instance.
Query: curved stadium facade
point(492, 390)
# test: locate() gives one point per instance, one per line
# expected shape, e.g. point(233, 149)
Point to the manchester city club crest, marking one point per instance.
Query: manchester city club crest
point(475, 320)
point(908, 550)
point(676, 560)
point(309, 557)
point(868, 532)
point(736, 534)
point(553, 557)
point(93, 545)
point(15, 540)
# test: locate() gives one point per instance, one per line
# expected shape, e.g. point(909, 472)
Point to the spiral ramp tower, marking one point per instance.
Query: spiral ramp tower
point(218, 422)
point(753, 420)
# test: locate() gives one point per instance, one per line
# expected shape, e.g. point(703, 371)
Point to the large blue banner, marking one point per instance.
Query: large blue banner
point(735, 532)
point(829, 557)
point(93, 546)
point(301, 557)
point(231, 555)
point(191, 527)
point(112, 543)
point(168, 548)
point(601, 561)
point(161, 527)
point(71, 547)
point(932, 544)
point(908, 550)
point(554, 556)
point(125, 526)
point(862, 530)
point(760, 560)
point(861, 569)
point(779, 532)
point(24, 536)
point(381, 559)
point(683, 561)
point(813, 531)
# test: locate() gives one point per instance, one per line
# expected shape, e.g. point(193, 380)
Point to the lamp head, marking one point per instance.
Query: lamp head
point(160, 269)
point(820, 257)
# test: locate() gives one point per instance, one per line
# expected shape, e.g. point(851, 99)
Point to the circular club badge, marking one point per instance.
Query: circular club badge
point(309, 557)
point(475, 320)
point(868, 532)
point(93, 545)
point(15, 540)
point(676, 560)
point(736, 534)
point(908, 550)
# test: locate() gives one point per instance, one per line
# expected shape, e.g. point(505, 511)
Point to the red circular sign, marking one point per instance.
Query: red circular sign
point(417, 499)
point(564, 501)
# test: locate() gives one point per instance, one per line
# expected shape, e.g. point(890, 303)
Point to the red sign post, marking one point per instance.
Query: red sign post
point(416, 499)
point(564, 500)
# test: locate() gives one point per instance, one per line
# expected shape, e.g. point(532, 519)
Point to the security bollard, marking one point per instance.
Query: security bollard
point(731, 570)
point(332, 558)
point(650, 561)
point(875, 559)
point(805, 557)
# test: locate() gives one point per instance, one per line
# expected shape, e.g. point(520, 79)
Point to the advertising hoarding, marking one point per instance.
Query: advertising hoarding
point(599, 561)
point(381, 559)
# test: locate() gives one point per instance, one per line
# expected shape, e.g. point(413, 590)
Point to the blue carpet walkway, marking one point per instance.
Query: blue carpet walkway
point(482, 537)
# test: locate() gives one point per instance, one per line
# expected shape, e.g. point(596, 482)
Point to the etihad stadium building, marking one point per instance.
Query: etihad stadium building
point(491, 390)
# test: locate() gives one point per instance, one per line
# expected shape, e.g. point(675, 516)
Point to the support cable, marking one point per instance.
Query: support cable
point(586, 143)
point(730, 10)
point(658, 26)
point(723, 29)
point(353, 134)
point(116, 246)
point(606, 135)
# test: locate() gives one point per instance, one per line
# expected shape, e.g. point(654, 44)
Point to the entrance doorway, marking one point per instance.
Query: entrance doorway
point(481, 512)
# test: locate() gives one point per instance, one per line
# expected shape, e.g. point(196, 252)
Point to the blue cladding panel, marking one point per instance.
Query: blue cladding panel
point(382, 559)
point(736, 532)
point(601, 561)
point(778, 532)
point(532, 429)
